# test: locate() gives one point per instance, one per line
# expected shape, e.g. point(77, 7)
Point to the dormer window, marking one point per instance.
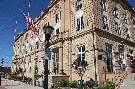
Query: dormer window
point(104, 15)
point(116, 20)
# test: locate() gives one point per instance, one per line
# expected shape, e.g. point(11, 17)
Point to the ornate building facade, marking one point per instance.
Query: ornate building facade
point(102, 32)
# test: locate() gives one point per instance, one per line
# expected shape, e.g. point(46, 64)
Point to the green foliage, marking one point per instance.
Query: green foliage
point(90, 83)
point(73, 84)
point(80, 63)
point(109, 85)
point(63, 83)
point(15, 78)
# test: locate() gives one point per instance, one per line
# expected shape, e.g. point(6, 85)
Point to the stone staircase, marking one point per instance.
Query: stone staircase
point(128, 82)
point(118, 79)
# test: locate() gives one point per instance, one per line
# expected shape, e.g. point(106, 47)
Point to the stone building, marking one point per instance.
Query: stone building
point(98, 31)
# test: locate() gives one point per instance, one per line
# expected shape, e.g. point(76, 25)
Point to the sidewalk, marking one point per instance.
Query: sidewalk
point(2, 87)
point(129, 82)
point(10, 84)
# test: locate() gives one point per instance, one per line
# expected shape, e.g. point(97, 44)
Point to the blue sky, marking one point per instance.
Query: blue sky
point(9, 13)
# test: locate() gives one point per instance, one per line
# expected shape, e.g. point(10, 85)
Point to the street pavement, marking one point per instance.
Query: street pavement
point(10, 84)
point(129, 82)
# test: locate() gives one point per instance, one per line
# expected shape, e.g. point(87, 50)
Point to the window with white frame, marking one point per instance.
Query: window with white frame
point(126, 22)
point(79, 15)
point(109, 57)
point(78, 5)
point(121, 52)
point(58, 23)
point(81, 53)
point(80, 23)
point(116, 20)
point(55, 57)
point(121, 57)
point(104, 15)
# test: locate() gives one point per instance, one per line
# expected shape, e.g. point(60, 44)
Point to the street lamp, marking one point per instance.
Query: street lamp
point(48, 31)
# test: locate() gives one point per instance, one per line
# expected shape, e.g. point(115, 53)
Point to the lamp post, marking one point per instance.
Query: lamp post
point(2, 61)
point(80, 74)
point(48, 31)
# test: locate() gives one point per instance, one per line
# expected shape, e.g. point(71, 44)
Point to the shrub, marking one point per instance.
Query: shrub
point(109, 85)
point(90, 83)
point(73, 84)
point(63, 83)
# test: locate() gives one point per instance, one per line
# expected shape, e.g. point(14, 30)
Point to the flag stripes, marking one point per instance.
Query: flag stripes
point(30, 22)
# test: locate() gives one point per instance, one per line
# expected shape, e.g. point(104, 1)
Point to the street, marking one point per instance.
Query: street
point(10, 84)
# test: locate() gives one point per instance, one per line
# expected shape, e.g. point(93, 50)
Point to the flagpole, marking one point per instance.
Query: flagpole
point(16, 22)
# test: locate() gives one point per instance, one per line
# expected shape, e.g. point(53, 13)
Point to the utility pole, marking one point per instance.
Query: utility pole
point(48, 31)
point(2, 61)
point(93, 34)
point(94, 53)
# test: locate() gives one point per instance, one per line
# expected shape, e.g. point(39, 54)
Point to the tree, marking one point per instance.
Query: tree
point(80, 67)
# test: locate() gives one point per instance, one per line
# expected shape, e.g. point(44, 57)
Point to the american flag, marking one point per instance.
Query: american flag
point(30, 22)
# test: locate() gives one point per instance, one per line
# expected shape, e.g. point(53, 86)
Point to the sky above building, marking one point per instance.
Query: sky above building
point(9, 14)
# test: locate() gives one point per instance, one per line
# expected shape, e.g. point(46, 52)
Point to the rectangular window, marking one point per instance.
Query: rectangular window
point(58, 17)
point(104, 15)
point(116, 20)
point(126, 22)
point(58, 31)
point(121, 52)
point(55, 57)
point(58, 23)
point(29, 65)
point(37, 45)
point(79, 15)
point(109, 57)
point(121, 57)
point(81, 53)
point(80, 23)
point(36, 66)
point(78, 5)
point(24, 65)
